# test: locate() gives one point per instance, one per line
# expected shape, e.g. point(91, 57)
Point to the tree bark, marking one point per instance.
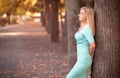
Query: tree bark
point(87, 2)
point(43, 18)
point(72, 7)
point(106, 63)
point(47, 13)
point(54, 23)
point(65, 36)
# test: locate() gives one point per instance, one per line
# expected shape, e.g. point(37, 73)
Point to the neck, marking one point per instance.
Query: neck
point(83, 23)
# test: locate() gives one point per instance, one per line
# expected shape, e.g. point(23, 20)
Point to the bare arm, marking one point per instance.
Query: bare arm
point(92, 49)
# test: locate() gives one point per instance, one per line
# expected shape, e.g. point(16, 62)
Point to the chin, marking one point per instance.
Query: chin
point(80, 20)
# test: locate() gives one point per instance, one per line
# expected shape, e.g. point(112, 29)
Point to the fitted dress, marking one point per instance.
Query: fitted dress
point(83, 39)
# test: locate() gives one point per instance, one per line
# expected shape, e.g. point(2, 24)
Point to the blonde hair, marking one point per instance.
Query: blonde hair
point(90, 17)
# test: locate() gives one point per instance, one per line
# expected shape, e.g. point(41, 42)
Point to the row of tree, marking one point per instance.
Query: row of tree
point(50, 19)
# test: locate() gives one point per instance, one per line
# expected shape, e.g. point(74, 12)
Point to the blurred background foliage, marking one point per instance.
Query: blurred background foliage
point(19, 7)
point(9, 9)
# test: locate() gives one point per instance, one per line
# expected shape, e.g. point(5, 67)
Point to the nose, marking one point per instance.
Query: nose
point(79, 15)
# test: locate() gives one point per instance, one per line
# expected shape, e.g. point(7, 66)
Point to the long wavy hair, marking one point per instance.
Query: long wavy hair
point(90, 17)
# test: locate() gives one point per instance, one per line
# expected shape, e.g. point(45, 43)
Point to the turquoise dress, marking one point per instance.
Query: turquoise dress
point(83, 39)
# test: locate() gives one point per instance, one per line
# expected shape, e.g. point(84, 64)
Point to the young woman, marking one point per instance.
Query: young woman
point(85, 44)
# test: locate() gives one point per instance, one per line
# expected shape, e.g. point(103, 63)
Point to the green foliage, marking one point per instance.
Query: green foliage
point(38, 7)
point(20, 6)
point(6, 7)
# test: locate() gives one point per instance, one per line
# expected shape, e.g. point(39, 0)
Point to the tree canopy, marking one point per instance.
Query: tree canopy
point(6, 7)
point(20, 6)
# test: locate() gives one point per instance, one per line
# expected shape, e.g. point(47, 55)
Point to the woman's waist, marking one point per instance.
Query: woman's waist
point(85, 44)
point(82, 47)
point(83, 54)
point(81, 58)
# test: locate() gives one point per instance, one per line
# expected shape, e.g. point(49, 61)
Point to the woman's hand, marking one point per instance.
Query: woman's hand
point(92, 49)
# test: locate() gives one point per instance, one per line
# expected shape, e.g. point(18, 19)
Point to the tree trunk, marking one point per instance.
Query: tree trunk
point(43, 18)
point(72, 7)
point(87, 2)
point(47, 17)
point(64, 36)
point(106, 63)
point(54, 23)
point(63, 30)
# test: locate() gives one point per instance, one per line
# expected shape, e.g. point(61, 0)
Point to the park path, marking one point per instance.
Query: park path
point(27, 52)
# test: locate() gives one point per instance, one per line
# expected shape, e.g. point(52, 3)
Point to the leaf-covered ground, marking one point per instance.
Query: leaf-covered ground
point(27, 52)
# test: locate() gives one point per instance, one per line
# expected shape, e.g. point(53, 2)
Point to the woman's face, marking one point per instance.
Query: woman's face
point(82, 16)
